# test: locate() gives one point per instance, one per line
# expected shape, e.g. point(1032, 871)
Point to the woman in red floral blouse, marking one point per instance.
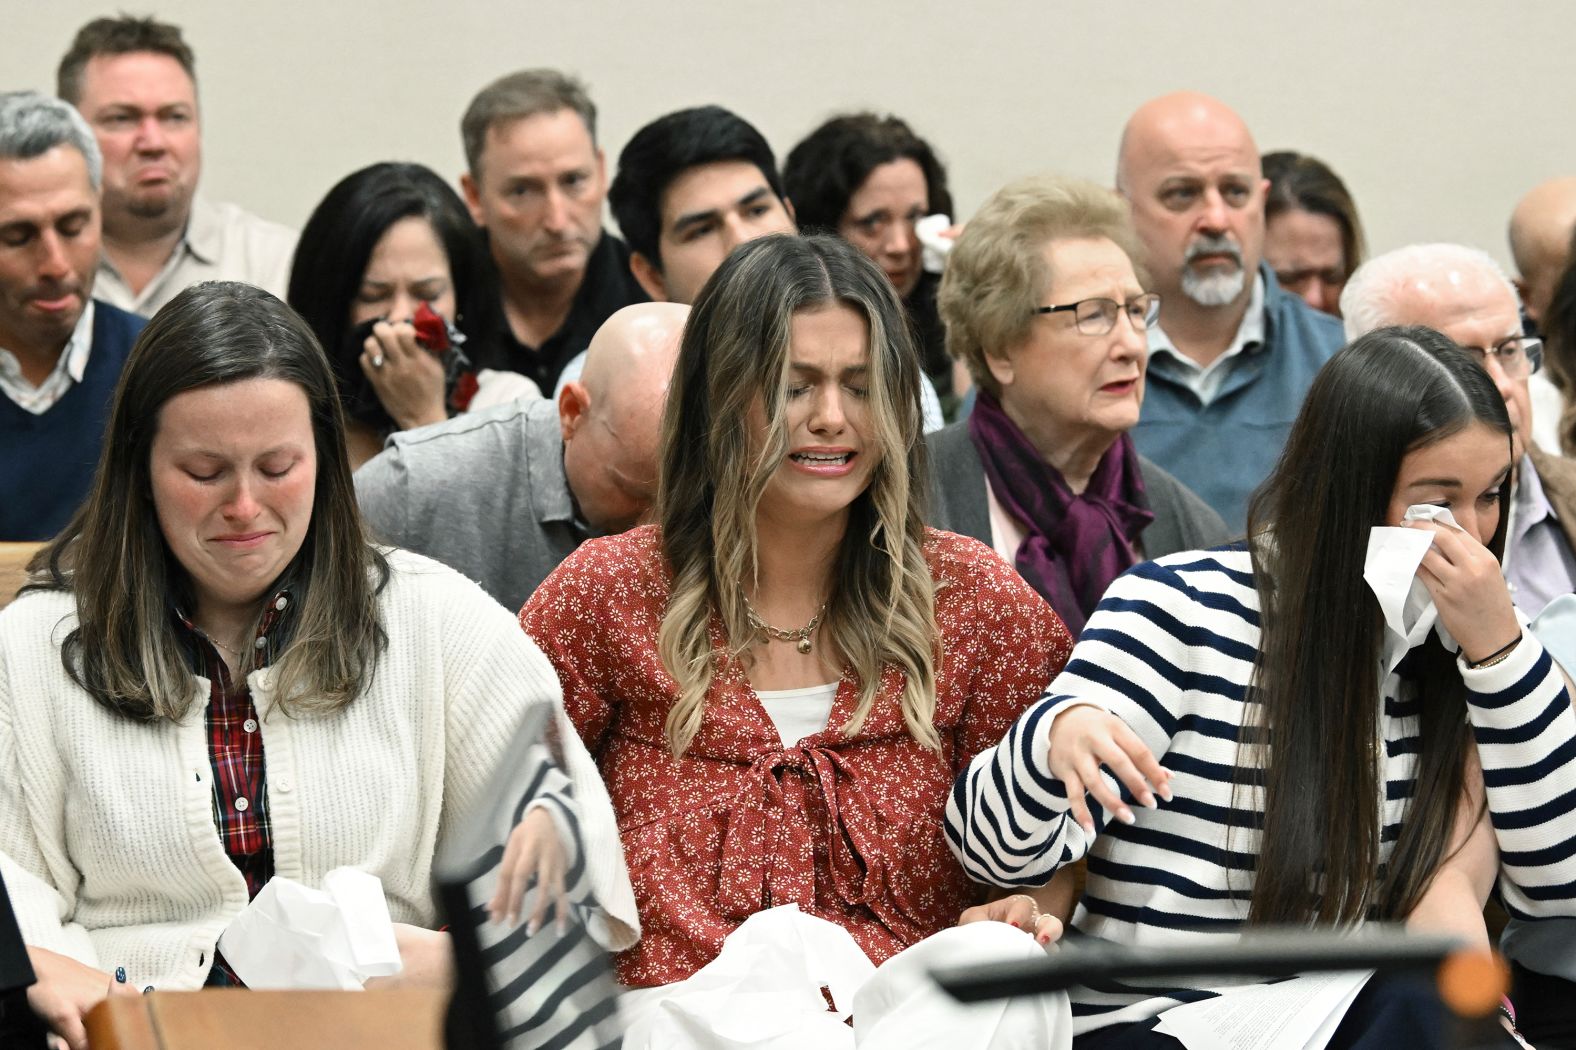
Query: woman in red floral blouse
point(780, 682)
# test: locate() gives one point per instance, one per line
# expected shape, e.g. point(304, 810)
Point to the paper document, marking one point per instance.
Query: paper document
point(1297, 1014)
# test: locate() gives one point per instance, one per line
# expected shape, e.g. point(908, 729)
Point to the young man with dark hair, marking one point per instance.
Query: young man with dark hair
point(692, 186)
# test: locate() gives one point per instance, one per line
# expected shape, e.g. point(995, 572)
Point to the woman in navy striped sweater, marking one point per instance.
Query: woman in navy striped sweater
point(1213, 660)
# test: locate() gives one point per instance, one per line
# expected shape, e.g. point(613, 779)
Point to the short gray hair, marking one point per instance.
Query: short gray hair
point(517, 96)
point(1368, 301)
point(32, 124)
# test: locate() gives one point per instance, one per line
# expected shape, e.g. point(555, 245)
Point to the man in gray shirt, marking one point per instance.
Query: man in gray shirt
point(505, 494)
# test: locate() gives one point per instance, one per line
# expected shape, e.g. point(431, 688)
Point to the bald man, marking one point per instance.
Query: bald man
point(1540, 242)
point(505, 494)
point(1232, 354)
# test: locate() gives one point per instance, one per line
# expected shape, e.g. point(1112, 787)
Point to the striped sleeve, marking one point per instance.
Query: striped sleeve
point(1526, 737)
point(1167, 651)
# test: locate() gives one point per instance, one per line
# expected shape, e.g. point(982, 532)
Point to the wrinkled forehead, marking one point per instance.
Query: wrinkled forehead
point(1190, 143)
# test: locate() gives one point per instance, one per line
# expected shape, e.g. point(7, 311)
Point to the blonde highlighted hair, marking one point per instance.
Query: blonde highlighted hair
point(735, 354)
point(997, 275)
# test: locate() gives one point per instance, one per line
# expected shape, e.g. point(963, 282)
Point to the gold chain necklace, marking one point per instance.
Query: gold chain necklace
point(800, 637)
point(232, 651)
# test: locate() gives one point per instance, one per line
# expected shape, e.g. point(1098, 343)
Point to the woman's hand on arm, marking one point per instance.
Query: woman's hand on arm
point(533, 852)
point(1082, 739)
point(66, 991)
point(407, 377)
point(1021, 910)
point(1043, 913)
point(1468, 587)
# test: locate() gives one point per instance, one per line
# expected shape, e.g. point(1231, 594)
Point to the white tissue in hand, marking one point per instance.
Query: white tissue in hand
point(292, 936)
point(935, 247)
point(763, 990)
point(1390, 569)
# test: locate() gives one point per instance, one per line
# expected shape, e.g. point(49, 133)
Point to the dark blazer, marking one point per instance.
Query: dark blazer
point(1183, 522)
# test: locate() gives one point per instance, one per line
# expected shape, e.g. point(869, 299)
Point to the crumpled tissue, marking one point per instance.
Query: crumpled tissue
point(934, 247)
point(293, 936)
point(763, 990)
point(1390, 570)
point(903, 1008)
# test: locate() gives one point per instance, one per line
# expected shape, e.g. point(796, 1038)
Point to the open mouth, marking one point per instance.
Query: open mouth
point(821, 459)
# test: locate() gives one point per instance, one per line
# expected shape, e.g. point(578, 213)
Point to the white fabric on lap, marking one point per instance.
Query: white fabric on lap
point(902, 1008)
point(764, 991)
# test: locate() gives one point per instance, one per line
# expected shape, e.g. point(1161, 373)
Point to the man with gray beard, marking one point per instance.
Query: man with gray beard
point(1232, 354)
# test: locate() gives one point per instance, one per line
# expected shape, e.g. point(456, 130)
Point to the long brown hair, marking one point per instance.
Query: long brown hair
point(1316, 682)
point(735, 349)
point(113, 557)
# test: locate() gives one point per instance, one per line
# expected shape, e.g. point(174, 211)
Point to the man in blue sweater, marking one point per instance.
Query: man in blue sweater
point(60, 352)
point(1232, 355)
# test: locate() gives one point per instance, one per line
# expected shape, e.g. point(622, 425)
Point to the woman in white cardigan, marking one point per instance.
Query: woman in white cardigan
point(214, 678)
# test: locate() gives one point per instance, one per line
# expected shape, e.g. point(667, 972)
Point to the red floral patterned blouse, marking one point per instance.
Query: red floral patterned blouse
point(850, 829)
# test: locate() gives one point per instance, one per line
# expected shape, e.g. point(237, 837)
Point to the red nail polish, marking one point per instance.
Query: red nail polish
point(1016, 926)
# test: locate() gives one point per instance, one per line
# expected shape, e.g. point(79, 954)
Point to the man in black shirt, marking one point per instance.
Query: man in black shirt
point(536, 185)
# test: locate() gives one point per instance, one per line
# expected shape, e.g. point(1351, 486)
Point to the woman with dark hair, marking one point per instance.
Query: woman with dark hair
point(216, 602)
point(391, 246)
point(869, 179)
point(1293, 737)
point(1313, 239)
point(781, 679)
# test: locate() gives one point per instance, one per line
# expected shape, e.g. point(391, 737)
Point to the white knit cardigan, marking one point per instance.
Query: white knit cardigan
point(107, 839)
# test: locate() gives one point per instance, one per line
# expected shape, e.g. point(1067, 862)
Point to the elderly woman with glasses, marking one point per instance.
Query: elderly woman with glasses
point(1043, 303)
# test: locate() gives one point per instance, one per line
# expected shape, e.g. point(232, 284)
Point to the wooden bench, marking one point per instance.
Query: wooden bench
point(237, 1019)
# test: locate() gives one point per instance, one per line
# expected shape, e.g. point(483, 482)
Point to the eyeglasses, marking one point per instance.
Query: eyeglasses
point(1098, 316)
point(1518, 357)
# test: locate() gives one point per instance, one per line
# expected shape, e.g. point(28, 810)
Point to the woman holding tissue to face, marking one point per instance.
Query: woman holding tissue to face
point(392, 276)
point(213, 678)
point(1203, 814)
point(781, 680)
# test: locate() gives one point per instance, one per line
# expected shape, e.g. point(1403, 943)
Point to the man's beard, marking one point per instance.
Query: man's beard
point(1217, 287)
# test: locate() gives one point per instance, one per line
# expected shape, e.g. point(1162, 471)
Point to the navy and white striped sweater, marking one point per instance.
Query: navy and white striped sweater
point(1170, 650)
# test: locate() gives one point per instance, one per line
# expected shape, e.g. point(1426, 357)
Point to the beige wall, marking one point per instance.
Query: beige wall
point(1438, 115)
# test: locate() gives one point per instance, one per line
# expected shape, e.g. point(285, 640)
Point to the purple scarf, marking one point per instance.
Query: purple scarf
point(1076, 545)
